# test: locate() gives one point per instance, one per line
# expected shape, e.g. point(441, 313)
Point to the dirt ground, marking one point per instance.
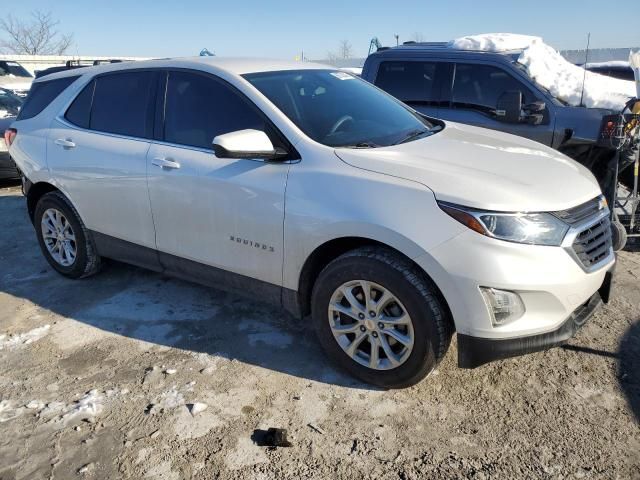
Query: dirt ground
point(130, 374)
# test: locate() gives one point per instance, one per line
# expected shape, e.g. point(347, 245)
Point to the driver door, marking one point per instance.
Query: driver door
point(219, 212)
point(474, 96)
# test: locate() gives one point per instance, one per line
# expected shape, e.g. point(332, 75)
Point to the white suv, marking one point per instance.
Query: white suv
point(310, 187)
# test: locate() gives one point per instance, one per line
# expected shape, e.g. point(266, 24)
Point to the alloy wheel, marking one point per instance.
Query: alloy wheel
point(371, 325)
point(59, 237)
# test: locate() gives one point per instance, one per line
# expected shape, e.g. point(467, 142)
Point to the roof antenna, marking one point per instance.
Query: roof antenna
point(584, 75)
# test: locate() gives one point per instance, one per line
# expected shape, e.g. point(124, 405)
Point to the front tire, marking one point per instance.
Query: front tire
point(380, 318)
point(618, 234)
point(64, 240)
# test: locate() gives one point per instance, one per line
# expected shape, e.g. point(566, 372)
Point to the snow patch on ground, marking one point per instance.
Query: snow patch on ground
point(22, 339)
point(172, 398)
point(551, 71)
point(9, 411)
point(89, 406)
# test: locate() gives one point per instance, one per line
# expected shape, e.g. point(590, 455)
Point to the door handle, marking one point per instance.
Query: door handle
point(65, 143)
point(165, 163)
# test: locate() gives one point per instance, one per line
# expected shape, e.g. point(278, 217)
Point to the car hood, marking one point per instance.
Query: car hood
point(483, 168)
point(15, 83)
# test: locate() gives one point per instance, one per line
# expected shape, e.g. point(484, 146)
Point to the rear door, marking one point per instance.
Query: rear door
point(221, 212)
point(473, 97)
point(415, 82)
point(97, 150)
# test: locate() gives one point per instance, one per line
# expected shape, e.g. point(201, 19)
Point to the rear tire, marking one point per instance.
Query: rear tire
point(64, 240)
point(391, 353)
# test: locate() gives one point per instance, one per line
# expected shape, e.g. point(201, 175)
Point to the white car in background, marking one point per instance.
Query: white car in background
point(309, 187)
point(15, 77)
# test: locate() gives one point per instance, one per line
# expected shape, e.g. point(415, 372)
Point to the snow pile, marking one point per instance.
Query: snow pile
point(634, 62)
point(15, 341)
point(551, 71)
point(494, 42)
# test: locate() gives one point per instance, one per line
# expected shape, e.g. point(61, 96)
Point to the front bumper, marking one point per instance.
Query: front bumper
point(476, 351)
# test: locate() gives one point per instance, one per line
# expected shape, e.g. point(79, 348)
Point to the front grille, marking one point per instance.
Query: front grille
point(593, 244)
point(576, 215)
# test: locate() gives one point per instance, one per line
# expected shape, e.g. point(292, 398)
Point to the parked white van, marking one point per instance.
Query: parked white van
point(307, 186)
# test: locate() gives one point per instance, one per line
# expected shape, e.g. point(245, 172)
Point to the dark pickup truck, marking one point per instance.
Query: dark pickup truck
point(492, 90)
point(489, 90)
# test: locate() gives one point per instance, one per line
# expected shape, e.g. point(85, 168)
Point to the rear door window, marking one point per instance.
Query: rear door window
point(42, 94)
point(199, 108)
point(409, 81)
point(123, 104)
point(479, 86)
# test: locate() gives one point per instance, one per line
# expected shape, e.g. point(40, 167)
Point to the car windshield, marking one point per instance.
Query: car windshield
point(338, 109)
point(13, 68)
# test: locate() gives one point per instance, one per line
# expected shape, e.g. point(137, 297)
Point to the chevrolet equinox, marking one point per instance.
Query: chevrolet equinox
point(309, 187)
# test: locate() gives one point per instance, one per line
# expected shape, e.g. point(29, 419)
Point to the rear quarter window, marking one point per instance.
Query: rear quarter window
point(42, 94)
point(79, 113)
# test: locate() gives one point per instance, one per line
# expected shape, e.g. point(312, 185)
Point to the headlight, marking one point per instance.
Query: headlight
point(532, 228)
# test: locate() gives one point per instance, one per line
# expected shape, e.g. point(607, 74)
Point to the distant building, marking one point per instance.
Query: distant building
point(33, 63)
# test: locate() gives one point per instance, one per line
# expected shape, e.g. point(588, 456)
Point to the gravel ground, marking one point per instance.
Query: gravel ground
point(130, 374)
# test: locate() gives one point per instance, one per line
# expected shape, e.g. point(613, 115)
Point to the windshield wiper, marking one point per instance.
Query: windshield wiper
point(412, 135)
point(361, 145)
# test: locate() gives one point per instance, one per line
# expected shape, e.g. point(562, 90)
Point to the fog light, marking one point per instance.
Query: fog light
point(504, 306)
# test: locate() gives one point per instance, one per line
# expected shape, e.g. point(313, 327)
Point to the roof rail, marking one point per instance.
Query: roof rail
point(427, 44)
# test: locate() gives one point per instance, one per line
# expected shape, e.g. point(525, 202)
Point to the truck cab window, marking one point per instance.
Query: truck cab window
point(409, 81)
point(478, 87)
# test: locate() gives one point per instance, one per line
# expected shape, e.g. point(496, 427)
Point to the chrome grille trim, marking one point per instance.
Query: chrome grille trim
point(589, 242)
point(581, 213)
point(593, 244)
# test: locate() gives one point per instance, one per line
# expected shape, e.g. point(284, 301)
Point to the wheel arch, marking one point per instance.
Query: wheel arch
point(328, 251)
point(35, 193)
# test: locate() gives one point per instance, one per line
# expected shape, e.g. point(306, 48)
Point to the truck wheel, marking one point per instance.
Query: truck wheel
point(64, 240)
point(378, 317)
point(618, 234)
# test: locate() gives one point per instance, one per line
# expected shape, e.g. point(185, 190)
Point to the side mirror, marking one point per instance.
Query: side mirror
point(247, 144)
point(535, 107)
point(534, 112)
point(509, 107)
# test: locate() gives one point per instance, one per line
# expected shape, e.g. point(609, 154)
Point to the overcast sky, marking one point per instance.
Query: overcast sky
point(284, 28)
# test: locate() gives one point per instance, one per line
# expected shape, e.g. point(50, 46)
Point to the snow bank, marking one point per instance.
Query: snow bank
point(494, 42)
point(634, 62)
point(15, 341)
point(551, 71)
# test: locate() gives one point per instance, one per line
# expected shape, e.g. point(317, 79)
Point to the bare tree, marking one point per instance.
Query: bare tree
point(417, 37)
point(345, 49)
point(37, 36)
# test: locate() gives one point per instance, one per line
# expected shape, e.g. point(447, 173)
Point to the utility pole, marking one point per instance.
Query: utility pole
point(584, 74)
point(397, 39)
